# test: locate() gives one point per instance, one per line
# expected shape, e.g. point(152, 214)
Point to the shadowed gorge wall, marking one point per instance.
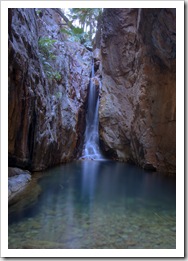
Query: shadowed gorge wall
point(45, 115)
point(47, 98)
point(137, 111)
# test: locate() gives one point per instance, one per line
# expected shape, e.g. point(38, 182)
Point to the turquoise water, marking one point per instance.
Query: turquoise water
point(97, 204)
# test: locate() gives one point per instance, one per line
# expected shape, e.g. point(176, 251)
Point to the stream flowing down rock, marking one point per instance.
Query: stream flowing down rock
point(45, 114)
point(137, 112)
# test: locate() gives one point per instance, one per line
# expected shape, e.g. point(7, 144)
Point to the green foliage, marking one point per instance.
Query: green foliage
point(87, 20)
point(56, 75)
point(38, 11)
point(75, 34)
point(51, 74)
point(46, 54)
point(58, 95)
point(46, 47)
point(77, 30)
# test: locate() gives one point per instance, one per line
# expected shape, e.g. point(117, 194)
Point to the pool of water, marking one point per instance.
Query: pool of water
point(96, 204)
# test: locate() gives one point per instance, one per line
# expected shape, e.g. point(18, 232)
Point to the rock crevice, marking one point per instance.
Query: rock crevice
point(48, 91)
point(138, 103)
point(47, 94)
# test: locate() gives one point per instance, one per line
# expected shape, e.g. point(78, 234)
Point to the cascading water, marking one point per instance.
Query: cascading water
point(91, 143)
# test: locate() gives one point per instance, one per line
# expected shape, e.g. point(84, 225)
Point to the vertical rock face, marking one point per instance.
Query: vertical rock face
point(137, 111)
point(45, 113)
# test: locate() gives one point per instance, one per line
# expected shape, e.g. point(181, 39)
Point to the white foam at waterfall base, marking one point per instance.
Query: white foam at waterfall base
point(91, 139)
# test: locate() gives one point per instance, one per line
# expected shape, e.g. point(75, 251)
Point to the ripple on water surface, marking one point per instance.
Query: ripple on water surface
point(97, 204)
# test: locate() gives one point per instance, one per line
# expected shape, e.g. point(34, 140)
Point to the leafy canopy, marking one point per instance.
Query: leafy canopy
point(84, 21)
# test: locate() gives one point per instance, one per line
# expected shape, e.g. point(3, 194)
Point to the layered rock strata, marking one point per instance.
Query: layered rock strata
point(137, 111)
point(46, 97)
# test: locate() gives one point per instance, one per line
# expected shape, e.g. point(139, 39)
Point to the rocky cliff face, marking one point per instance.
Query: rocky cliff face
point(46, 98)
point(137, 111)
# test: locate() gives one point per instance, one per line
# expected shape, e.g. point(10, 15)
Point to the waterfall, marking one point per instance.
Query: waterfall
point(91, 140)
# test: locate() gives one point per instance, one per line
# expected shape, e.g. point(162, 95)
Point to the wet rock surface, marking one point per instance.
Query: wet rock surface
point(46, 114)
point(17, 181)
point(137, 113)
point(25, 197)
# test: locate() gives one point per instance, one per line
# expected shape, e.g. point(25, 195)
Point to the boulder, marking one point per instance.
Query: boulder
point(17, 181)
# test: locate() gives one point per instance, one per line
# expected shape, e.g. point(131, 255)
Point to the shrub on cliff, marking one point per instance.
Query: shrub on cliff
point(46, 54)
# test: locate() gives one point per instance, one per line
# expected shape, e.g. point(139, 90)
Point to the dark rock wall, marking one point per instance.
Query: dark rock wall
point(137, 111)
point(137, 101)
point(45, 115)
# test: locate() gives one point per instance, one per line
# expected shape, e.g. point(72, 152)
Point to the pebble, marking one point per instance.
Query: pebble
point(98, 230)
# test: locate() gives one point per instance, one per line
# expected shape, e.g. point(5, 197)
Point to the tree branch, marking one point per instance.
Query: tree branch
point(67, 21)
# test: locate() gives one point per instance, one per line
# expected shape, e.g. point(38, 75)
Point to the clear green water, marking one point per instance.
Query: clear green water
point(93, 204)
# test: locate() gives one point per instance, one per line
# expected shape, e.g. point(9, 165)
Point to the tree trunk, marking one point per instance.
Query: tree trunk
point(97, 40)
point(67, 21)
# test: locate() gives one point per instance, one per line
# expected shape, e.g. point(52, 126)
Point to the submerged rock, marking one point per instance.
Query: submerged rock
point(38, 244)
point(137, 113)
point(26, 197)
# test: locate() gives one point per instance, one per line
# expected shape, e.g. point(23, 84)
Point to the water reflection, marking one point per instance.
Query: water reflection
point(89, 172)
point(94, 204)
